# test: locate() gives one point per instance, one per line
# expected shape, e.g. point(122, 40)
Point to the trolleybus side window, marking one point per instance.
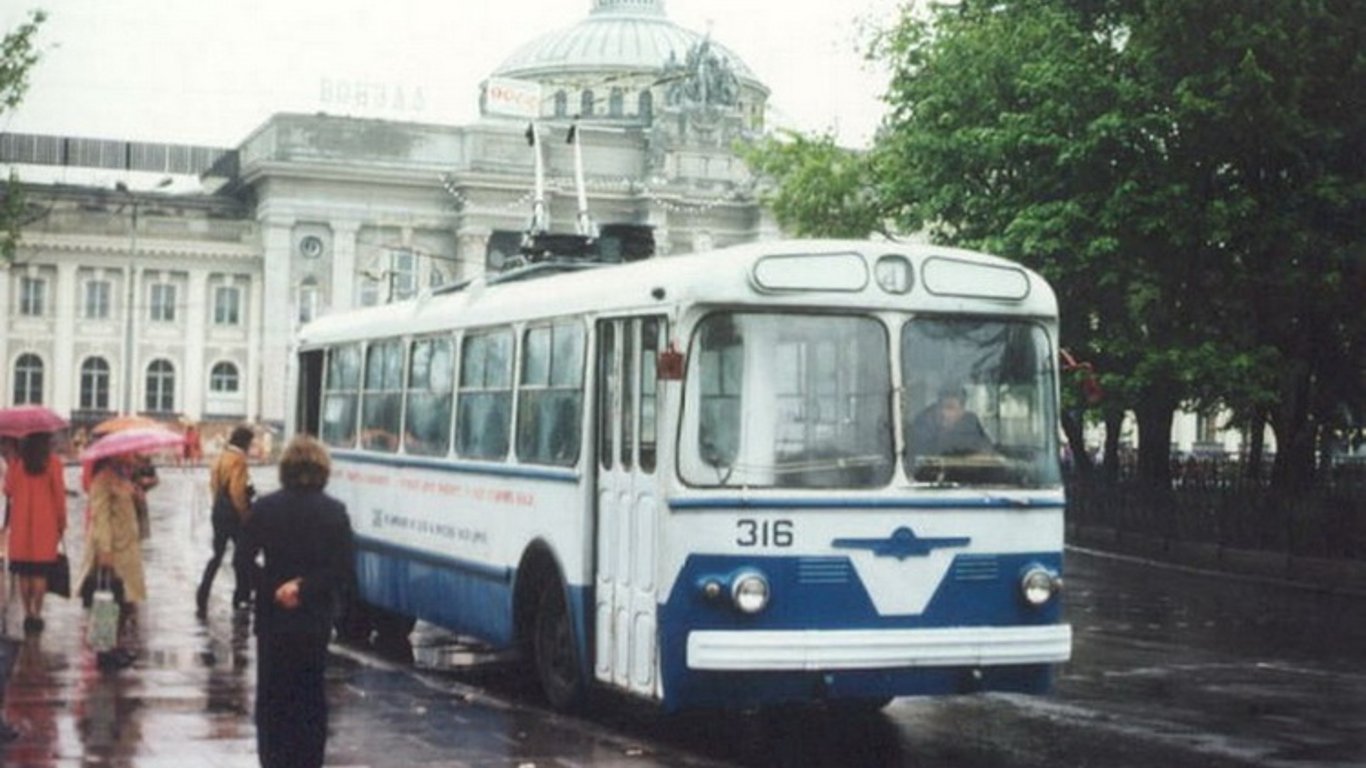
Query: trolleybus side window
point(341, 396)
point(427, 410)
point(650, 345)
point(979, 405)
point(606, 385)
point(790, 400)
point(484, 407)
point(382, 399)
point(550, 400)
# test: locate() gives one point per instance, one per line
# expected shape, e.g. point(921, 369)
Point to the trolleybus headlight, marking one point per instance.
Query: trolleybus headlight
point(749, 591)
point(1039, 585)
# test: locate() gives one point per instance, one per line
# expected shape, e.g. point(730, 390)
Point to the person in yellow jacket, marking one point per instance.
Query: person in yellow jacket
point(231, 490)
point(113, 550)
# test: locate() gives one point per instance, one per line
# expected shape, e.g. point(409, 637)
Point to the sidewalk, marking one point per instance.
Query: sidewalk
point(186, 701)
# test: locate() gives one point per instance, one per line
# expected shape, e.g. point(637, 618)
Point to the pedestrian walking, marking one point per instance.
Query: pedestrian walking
point(231, 490)
point(113, 550)
point(35, 492)
point(309, 560)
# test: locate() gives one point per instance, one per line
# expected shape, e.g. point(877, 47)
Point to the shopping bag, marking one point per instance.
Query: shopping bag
point(103, 630)
point(59, 576)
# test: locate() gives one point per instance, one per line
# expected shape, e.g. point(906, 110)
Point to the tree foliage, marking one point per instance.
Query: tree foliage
point(824, 190)
point(18, 55)
point(1190, 175)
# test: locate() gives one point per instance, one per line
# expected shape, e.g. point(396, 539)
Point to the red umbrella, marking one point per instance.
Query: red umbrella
point(22, 420)
point(144, 440)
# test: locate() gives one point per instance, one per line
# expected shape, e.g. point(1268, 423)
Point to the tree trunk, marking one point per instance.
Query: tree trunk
point(1073, 426)
point(1293, 468)
point(1114, 422)
point(1154, 416)
point(1256, 450)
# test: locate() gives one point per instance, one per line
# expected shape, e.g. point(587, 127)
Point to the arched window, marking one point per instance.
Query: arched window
point(586, 104)
point(646, 107)
point(161, 386)
point(308, 300)
point(223, 378)
point(614, 103)
point(95, 384)
point(28, 380)
point(561, 103)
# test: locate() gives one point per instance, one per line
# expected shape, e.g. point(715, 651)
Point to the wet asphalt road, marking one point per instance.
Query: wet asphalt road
point(1170, 668)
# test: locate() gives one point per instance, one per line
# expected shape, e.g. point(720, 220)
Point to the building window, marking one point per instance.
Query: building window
point(163, 303)
point(561, 104)
point(369, 291)
point(647, 106)
point(586, 104)
point(96, 305)
point(402, 274)
point(311, 246)
point(161, 387)
point(308, 300)
point(223, 378)
point(227, 305)
point(95, 385)
point(614, 103)
point(28, 380)
point(32, 296)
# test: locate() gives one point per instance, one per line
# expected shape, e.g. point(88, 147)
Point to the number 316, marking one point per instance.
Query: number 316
point(763, 533)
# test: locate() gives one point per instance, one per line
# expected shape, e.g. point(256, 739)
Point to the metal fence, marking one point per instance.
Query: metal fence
point(1216, 506)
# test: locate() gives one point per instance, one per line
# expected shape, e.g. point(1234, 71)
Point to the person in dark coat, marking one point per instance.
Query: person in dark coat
point(309, 564)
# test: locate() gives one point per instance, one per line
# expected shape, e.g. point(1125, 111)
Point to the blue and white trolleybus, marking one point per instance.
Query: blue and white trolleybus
point(788, 471)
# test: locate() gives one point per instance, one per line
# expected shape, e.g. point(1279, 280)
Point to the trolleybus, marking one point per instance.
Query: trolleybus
point(789, 471)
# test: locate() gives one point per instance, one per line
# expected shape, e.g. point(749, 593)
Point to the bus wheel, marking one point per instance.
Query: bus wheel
point(354, 624)
point(391, 629)
point(557, 666)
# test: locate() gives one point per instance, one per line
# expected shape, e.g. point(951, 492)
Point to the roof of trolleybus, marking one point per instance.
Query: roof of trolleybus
point(805, 273)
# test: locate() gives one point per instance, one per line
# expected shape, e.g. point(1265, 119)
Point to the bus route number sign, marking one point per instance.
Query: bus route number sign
point(763, 533)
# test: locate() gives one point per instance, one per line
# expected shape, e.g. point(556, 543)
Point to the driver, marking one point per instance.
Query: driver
point(947, 427)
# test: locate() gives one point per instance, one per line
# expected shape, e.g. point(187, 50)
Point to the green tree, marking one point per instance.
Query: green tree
point(1187, 173)
point(18, 54)
point(824, 189)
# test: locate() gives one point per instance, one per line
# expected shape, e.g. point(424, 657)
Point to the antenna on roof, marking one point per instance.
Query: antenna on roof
point(584, 222)
point(540, 222)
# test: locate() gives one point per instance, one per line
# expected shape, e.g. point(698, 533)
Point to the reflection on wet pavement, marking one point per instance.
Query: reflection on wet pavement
point(188, 699)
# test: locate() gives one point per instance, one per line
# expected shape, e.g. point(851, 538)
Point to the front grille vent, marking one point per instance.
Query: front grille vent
point(976, 568)
point(823, 570)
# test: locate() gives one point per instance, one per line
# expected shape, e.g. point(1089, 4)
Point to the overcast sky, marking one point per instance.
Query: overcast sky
point(210, 72)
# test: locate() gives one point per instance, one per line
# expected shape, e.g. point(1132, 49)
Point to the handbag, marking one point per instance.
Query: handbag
point(103, 630)
point(59, 576)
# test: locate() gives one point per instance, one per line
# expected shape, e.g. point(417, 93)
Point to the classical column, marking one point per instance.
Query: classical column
point(343, 294)
point(658, 219)
point(254, 371)
point(6, 322)
point(471, 244)
point(276, 323)
point(66, 307)
point(128, 372)
point(196, 336)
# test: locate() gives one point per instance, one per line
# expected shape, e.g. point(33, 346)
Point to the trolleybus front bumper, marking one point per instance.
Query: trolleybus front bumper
point(815, 650)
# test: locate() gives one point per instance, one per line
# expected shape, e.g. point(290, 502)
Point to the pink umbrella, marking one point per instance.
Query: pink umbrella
point(143, 440)
point(22, 420)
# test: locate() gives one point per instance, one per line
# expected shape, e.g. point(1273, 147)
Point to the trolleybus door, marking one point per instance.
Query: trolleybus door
point(627, 502)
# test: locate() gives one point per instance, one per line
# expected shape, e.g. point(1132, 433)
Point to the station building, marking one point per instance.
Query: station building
point(147, 294)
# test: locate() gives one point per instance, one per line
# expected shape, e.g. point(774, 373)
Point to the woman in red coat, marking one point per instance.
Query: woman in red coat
point(37, 521)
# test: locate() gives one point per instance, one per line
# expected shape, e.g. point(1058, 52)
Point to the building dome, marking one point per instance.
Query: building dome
point(619, 36)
